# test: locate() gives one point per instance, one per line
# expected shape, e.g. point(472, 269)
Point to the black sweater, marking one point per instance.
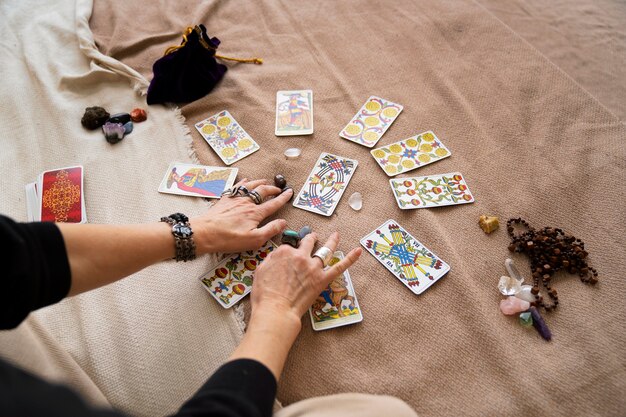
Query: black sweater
point(36, 273)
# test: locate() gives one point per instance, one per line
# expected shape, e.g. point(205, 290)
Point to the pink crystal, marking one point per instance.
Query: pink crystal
point(513, 305)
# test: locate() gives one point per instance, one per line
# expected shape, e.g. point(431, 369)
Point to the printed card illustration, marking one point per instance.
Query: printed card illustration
point(326, 184)
point(61, 196)
point(337, 305)
point(231, 279)
point(294, 113)
point(197, 180)
point(410, 154)
point(410, 261)
point(371, 122)
point(431, 191)
point(227, 137)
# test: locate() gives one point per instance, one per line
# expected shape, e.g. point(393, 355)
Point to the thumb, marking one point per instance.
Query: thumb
point(271, 229)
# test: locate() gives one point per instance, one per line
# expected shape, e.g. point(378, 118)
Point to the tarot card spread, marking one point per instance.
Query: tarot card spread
point(410, 261)
point(294, 113)
point(371, 122)
point(409, 154)
point(326, 184)
point(231, 279)
point(227, 138)
point(431, 191)
point(197, 180)
point(337, 304)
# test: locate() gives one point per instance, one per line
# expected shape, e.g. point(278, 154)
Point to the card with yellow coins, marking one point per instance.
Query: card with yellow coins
point(227, 138)
point(231, 280)
point(371, 121)
point(409, 154)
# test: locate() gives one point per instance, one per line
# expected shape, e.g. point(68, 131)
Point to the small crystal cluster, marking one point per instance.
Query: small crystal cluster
point(519, 297)
point(114, 127)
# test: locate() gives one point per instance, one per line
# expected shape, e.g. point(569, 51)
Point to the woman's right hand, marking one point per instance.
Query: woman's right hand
point(285, 285)
point(289, 280)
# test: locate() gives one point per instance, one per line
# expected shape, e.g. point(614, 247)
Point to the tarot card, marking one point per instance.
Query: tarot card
point(328, 180)
point(197, 180)
point(431, 191)
point(32, 202)
point(294, 113)
point(371, 122)
point(410, 154)
point(410, 261)
point(227, 138)
point(61, 197)
point(337, 305)
point(231, 280)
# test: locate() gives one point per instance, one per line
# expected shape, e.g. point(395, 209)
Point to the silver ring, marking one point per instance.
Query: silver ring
point(255, 196)
point(239, 191)
point(325, 254)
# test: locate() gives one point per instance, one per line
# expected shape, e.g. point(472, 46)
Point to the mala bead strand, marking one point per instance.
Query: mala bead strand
point(550, 250)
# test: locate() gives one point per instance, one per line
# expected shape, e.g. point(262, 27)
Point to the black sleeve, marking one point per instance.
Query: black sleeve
point(243, 387)
point(37, 274)
point(23, 394)
point(36, 271)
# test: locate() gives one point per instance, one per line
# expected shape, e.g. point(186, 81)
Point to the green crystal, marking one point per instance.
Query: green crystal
point(526, 319)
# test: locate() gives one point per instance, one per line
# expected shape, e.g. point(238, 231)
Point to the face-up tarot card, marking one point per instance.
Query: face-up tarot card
point(231, 279)
point(197, 180)
point(410, 261)
point(409, 154)
point(61, 196)
point(337, 305)
point(431, 191)
point(371, 122)
point(326, 183)
point(294, 113)
point(227, 138)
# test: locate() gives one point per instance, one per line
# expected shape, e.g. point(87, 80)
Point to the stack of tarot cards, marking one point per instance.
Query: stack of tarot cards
point(57, 196)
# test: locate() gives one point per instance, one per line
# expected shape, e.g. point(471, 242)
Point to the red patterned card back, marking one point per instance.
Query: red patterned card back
point(61, 195)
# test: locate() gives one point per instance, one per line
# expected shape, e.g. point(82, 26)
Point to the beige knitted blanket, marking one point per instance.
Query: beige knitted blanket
point(530, 141)
point(145, 344)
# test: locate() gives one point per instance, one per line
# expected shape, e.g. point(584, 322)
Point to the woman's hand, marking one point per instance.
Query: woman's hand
point(285, 285)
point(231, 224)
point(289, 280)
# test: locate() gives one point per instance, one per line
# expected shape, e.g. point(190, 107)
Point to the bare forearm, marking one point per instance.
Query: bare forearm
point(101, 254)
point(268, 340)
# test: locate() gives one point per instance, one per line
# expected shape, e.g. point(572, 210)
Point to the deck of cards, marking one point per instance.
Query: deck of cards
point(57, 196)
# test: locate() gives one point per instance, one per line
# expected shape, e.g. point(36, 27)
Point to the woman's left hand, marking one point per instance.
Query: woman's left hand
point(231, 224)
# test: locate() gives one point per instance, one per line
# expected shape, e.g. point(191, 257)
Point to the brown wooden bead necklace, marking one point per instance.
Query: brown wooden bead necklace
point(550, 250)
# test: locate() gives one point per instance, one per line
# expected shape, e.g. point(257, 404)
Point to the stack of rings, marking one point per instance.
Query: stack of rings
point(242, 191)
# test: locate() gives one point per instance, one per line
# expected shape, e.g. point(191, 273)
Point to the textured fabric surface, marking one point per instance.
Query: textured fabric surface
point(348, 405)
point(586, 39)
point(147, 343)
point(530, 141)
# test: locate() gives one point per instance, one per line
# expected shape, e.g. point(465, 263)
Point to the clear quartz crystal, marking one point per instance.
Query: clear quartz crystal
point(508, 285)
point(356, 201)
point(525, 294)
point(512, 270)
point(293, 153)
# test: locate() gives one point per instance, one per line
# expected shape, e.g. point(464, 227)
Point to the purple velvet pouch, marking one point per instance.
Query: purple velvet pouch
point(187, 72)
